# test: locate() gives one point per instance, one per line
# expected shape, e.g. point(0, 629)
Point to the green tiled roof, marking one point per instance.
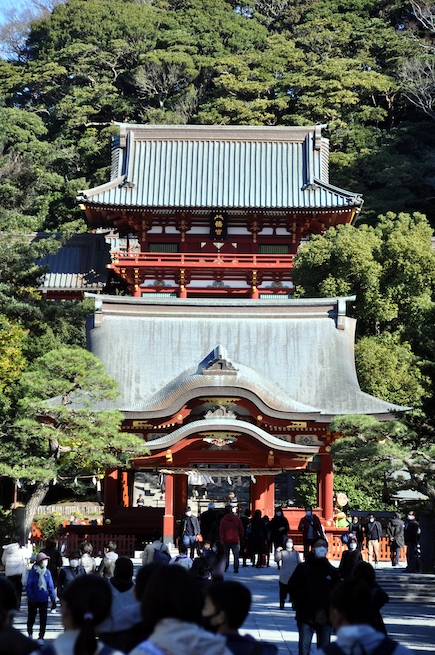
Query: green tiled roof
point(163, 166)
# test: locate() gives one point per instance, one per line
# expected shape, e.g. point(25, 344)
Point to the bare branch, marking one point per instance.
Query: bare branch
point(418, 80)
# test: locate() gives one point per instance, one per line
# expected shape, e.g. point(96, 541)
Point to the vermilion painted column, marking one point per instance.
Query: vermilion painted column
point(327, 485)
point(125, 492)
point(319, 490)
point(110, 492)
point(180, 495)
point(168, 518)
point(263, 495)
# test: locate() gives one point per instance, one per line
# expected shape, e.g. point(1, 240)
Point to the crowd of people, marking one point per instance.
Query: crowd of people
point(182, 605)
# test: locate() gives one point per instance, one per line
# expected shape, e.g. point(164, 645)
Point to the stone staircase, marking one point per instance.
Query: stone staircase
point(407, 587)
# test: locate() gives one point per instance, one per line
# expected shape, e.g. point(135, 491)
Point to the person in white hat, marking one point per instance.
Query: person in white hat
point(39, 589)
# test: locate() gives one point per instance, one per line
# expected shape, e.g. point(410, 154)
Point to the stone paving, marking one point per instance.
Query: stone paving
point(411, 623)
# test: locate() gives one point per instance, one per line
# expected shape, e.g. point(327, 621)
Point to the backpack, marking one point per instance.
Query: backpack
point(386, 647)
point(161, 555)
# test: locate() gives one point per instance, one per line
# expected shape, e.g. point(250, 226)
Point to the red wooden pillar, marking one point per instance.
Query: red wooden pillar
point(319, 491)
point(124, 489)
point(110, 492)
point(180, 494)
point(175, 503)
point(327, 485)
point(263, 495)
point(168, 518)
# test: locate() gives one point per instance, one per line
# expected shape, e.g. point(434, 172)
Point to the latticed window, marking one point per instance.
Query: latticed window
point(274, 249)
point(163, 247)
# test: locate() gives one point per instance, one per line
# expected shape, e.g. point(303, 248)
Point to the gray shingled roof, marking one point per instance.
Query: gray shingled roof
point(293, 358)
point(80, 265)
point(219, 167)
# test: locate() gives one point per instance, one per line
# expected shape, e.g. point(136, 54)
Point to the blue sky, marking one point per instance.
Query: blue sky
point(11, 4)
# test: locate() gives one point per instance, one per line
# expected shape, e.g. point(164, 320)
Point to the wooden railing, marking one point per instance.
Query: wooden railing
point(336, 547)
point(98, 536)
point(199, 260)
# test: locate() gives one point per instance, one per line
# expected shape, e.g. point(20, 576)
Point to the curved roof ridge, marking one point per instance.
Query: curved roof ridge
point(229, 425)
point(240, 376)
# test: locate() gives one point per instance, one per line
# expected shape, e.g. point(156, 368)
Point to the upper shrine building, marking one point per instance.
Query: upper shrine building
point(218, 211)
point(231, 382)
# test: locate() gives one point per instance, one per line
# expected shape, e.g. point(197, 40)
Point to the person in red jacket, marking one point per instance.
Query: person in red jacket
point(311, 529)
point(231, 533)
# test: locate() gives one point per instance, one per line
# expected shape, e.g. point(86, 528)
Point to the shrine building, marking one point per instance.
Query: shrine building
point(230, 381)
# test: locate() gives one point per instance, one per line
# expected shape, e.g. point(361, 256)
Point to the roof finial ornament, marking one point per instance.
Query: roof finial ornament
point(219, 363)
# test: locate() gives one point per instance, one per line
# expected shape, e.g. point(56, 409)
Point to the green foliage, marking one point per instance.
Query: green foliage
point(57, 432)
point(305, 489)
point(392, 456)
point(89, 63)
point(8, 526)
point(363, 494)
point(12, 360)
point(49, 526)
point(390, 268)
point(388, 369)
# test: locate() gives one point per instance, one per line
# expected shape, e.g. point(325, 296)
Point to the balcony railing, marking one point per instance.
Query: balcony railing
point(199, 260)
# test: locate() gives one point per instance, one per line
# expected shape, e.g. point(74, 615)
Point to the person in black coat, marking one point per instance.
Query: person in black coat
point(310, 587)
point(257, 539)
point(189, 531)
point(218, 561)
point(396, 535)
point(364, 572)
point(349, 559)
point(55, 562)
point(206, 521)
point(412, 536)
point(68, 573)
point(357, 530)
point(279, 528)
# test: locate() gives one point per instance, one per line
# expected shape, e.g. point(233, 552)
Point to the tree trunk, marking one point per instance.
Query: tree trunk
point(41, 490)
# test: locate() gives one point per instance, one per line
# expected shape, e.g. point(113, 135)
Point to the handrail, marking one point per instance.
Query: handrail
point(199, 260)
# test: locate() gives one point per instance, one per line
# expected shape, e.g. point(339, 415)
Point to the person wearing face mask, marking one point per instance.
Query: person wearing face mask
point(288, 558)
point(349, 559)
point(358, 531)
point(189, 531)
point(396, 535)
point(39, 590)
point(68, 573)
point(373, 536)
point(412, 536)
point(226, 607)
point(279, 528)
point(310, 588)
point(311, 529)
